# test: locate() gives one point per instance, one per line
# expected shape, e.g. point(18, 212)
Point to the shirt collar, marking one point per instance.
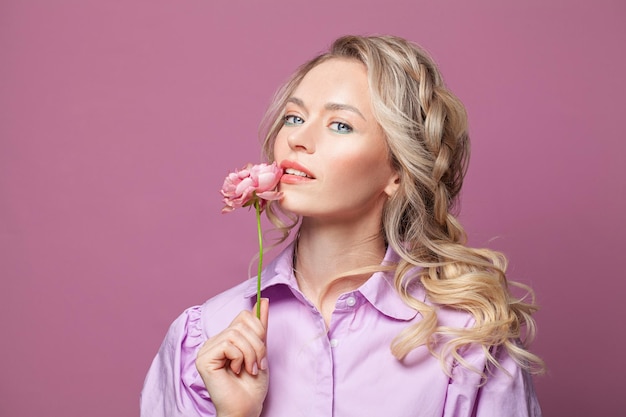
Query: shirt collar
point(379, 289)
point(279, 271)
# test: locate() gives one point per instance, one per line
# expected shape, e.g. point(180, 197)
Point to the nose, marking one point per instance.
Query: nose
point(302, 138)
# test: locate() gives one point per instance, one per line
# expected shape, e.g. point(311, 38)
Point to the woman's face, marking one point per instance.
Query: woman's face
point(332, 149)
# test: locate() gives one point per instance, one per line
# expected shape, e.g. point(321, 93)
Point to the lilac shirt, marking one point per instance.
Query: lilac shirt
point(346, 371)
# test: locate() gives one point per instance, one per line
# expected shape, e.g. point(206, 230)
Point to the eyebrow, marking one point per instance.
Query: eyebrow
point(329, 106)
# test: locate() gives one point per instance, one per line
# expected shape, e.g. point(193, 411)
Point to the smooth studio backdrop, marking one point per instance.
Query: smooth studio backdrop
point(120, 119)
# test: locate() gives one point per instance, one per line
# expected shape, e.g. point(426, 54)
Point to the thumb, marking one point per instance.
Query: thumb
point(265, 310)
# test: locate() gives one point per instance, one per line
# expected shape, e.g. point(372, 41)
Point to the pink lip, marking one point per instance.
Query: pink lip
point(295, 179)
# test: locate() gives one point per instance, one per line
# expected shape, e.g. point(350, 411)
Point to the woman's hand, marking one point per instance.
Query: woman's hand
point(233, 365)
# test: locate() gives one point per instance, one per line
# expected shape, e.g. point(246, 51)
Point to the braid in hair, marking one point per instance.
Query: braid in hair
point(426, 130)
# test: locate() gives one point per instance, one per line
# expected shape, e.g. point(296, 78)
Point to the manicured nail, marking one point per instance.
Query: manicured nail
point(255, 369)
point(264, 364)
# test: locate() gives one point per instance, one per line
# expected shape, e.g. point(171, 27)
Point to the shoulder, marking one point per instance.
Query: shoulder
point(455, 318)
point(173, 386)
point(505, 390)
point(216, 313)
point(197, 323)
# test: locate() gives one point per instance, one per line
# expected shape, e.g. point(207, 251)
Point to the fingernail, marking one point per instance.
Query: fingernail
point(264, 364)
point(255, 369)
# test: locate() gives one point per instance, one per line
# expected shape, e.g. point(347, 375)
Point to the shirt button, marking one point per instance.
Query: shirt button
point(351, 301)
point(334, 343)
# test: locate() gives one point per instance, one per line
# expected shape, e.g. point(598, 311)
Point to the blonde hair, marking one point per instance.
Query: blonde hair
point(427, 136)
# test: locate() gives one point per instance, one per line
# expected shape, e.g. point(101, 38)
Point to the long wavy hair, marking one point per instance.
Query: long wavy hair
point(427, 136)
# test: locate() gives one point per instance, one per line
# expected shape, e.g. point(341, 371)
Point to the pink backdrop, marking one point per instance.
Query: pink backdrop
point(119, 120)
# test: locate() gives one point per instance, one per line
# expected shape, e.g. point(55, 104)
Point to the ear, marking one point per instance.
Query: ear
point(392, 185)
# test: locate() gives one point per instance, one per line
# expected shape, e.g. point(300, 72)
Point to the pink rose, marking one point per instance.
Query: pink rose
point(242, 188)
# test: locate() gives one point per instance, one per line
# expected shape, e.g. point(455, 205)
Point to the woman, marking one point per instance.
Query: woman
point(377, 307)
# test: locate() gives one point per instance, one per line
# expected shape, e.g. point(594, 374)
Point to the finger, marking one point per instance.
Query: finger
point(265, 310)
point(219, 356)
point(247, 320)
point(248, 344)
point(248, 326)
point(242, 344)
point(236, 357)
point(261, 355)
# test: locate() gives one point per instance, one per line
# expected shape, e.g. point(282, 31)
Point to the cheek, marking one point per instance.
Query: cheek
point(280, 145)
point(369, 168)
point(365, 159)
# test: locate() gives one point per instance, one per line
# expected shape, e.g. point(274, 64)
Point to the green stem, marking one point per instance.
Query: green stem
point(257, 206)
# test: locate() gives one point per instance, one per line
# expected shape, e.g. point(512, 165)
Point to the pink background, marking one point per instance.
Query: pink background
point(119, 120)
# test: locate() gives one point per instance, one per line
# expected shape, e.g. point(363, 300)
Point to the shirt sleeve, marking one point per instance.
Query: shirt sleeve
point(507, 392)
point(173, 386)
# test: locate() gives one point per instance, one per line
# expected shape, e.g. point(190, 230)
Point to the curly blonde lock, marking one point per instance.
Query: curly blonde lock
point(427, 135)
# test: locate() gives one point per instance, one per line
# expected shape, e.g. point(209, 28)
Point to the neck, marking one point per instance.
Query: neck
point(326, 252)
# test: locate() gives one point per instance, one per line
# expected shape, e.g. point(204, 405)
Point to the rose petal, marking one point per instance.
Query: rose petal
point(245, 185)
point(271, 195)
point(242, 187)
point(267, 181)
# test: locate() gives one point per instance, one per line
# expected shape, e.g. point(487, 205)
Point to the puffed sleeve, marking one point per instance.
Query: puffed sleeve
point(508, 392)
point(173, 386)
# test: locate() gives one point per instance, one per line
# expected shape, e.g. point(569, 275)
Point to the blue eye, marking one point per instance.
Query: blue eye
point(292, 120)
point(340, 127)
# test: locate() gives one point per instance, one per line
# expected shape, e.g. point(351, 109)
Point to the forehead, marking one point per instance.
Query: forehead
point(336, 79)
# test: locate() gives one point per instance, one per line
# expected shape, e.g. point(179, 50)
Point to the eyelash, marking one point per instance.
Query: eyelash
point(288, 120)
point(340, 127)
